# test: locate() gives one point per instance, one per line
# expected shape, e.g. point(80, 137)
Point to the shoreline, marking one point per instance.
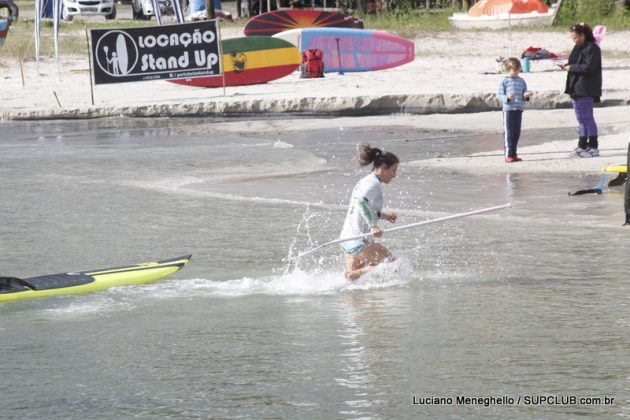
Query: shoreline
point(233, 107)
point(451, 85)
point(547, 157)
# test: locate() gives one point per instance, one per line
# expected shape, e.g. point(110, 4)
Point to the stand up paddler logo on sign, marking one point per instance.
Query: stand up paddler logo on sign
point(116, 53)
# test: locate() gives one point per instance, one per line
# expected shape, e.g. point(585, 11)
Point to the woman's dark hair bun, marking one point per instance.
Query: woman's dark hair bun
point(368, 154)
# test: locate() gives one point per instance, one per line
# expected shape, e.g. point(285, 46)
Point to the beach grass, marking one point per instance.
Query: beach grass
point(72, 40)
point(602, 12)
point(409, 23)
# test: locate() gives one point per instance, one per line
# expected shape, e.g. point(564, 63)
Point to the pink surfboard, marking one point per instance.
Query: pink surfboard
point(352, 50)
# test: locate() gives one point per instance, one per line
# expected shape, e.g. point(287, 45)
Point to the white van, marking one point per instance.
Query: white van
point(72, 8)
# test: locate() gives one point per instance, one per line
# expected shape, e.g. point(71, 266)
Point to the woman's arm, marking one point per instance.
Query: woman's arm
point(364, 208)
point(592, 61)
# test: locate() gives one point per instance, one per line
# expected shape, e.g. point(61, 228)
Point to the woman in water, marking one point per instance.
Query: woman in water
point(364, 212)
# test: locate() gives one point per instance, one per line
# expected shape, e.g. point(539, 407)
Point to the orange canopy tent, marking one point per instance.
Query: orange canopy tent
point(497, 7)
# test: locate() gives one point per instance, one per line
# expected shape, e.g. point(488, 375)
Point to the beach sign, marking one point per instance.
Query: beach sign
point(186, 50)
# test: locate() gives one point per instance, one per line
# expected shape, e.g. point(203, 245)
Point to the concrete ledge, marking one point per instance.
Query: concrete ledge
point(316, 106)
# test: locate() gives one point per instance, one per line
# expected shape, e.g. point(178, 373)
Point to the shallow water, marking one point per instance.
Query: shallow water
point(527, 302)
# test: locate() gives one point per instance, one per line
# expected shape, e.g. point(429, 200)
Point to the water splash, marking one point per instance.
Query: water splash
point(302, 230)
point(279, 144)
point(294, 283)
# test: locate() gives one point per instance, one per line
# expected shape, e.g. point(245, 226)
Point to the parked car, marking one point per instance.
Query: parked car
point(143, 9)
point(73, 8)
point(256, 5)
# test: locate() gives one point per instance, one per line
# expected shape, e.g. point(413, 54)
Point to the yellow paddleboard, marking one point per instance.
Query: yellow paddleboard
point(12, 288)
point(622, 169)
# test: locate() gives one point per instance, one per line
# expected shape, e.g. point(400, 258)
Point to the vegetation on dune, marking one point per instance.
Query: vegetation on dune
point(407, 16)
point(614, 14)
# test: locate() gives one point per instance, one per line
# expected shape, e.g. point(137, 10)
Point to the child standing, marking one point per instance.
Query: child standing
point(512, 94)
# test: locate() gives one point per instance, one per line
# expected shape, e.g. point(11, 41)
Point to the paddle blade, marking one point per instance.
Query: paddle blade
point(620, 180)
point(589, 191)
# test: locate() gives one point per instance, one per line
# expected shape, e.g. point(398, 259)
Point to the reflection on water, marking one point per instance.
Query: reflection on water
point(530, 301)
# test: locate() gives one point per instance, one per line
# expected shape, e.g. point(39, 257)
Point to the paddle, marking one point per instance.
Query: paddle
point(106, 49)
point(597, 189)
point(339, 56)
point(619, 180)
point(425, 222)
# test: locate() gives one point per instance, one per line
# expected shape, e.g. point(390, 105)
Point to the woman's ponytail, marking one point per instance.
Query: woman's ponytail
point(367, 154)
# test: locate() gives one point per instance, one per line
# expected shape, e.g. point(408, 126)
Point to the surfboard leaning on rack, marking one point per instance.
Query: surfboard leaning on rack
point(352, 50)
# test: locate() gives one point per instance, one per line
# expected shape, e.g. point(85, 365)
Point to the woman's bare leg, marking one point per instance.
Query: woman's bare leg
point(372, 255)
point(354, 267)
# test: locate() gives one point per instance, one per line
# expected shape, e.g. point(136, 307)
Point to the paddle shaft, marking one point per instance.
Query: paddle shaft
point(339, 56)
point(412, 225)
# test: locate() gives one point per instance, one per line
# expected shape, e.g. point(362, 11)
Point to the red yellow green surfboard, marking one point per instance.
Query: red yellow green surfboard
point(268, 24)
point(250, 61)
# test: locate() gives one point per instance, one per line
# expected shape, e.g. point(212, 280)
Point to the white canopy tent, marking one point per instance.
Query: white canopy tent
point(57, 12)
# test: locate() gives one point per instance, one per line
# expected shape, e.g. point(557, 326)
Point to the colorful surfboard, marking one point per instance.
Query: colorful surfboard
point(250, 61)
point(352, 50)
point(271, 23)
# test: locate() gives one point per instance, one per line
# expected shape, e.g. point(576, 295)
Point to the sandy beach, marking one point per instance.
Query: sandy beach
point(451, 83)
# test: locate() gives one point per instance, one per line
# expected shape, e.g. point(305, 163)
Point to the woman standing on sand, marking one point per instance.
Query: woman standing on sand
point(364, 212)
point(584, 84)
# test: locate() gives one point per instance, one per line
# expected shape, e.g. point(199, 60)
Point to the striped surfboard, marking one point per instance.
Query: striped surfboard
point(271, 23)
point(250, 61)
